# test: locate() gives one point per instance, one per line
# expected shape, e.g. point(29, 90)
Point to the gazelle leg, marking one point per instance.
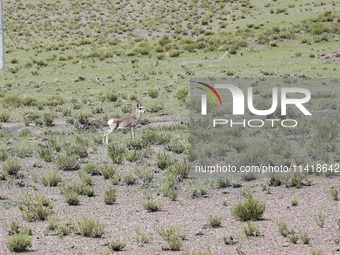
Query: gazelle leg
point(106, 135)
point(133, 133)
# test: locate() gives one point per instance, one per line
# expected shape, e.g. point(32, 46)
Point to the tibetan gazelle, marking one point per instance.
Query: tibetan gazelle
point(124, 123)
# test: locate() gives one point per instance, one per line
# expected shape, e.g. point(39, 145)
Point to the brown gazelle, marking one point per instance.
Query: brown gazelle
point(124, 123)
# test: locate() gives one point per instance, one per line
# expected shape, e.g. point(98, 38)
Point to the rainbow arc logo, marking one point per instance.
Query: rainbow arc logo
point(209, 93)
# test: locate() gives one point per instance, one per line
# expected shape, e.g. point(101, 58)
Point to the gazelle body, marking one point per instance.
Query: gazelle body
point(124, 123)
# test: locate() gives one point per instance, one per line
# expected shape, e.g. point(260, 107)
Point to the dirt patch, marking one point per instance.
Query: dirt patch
point(334, 57)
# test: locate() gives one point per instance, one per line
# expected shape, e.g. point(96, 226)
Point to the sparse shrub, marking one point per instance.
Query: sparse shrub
point(305, 238)
point(11, 100)
point(77, 150)
point(169, 185)
point(132, 155)
point(282, 225)
point(55, 100)
point(85, 178)
point(198, 190)
point(223, 183)
point(16, 228)
point(320, 220)
point(126, 108)
point(107, 171)
point(92, 169)
point(89, 227)
point(19, 242)
point(156, 107)
point(115, 179)
point(51, 179)
point(67, 163)
point(173, 53)
point(112, 97)
point(152, 204)
point(247, 177)
point(180, 169)
point(163, 160)
point(46, 153)
point(273, 44)
point(172, 238)
point(293, 238)
point(295, 201)
point(334, 193)
point(13, 60)
point(48, 119)
point(84, 119)
point(129, 179)
point(338, 222)
point(116, 154)
point(28, 100)
point(110, 196)
point(316, 252)
point(153, 92)
point(249, 209)
point(64, 57)
point(116, 245)
point(155, 138)
point(35, 207)
point(136, 144)
point(81, 186)
point(177, 147)
point(145, 175)
point(3, 155)
point(252, 229)
point(160, 55)
point(12, 166)
point(198, 253)
point(142, 237)
point(182, 93)
point(215, 221)
point(4, 117)
point(337, 240)
point(71, 197)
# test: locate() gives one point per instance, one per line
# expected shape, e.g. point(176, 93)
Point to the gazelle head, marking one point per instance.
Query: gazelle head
point(139, 108)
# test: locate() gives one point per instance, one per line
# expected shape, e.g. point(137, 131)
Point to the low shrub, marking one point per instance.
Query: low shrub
point(116, 245)
point(35, 207)
point(107, 170)
point(51, 179)
point(71, 197)
point(215, 221)
point(249, 209)
point(19, 242)
point(67, 163)
point(12, 166)
point(283, 228)
point(89, 227)
point(110, 196)
point(172, 238)
point(153, 92)
point(252, 229)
